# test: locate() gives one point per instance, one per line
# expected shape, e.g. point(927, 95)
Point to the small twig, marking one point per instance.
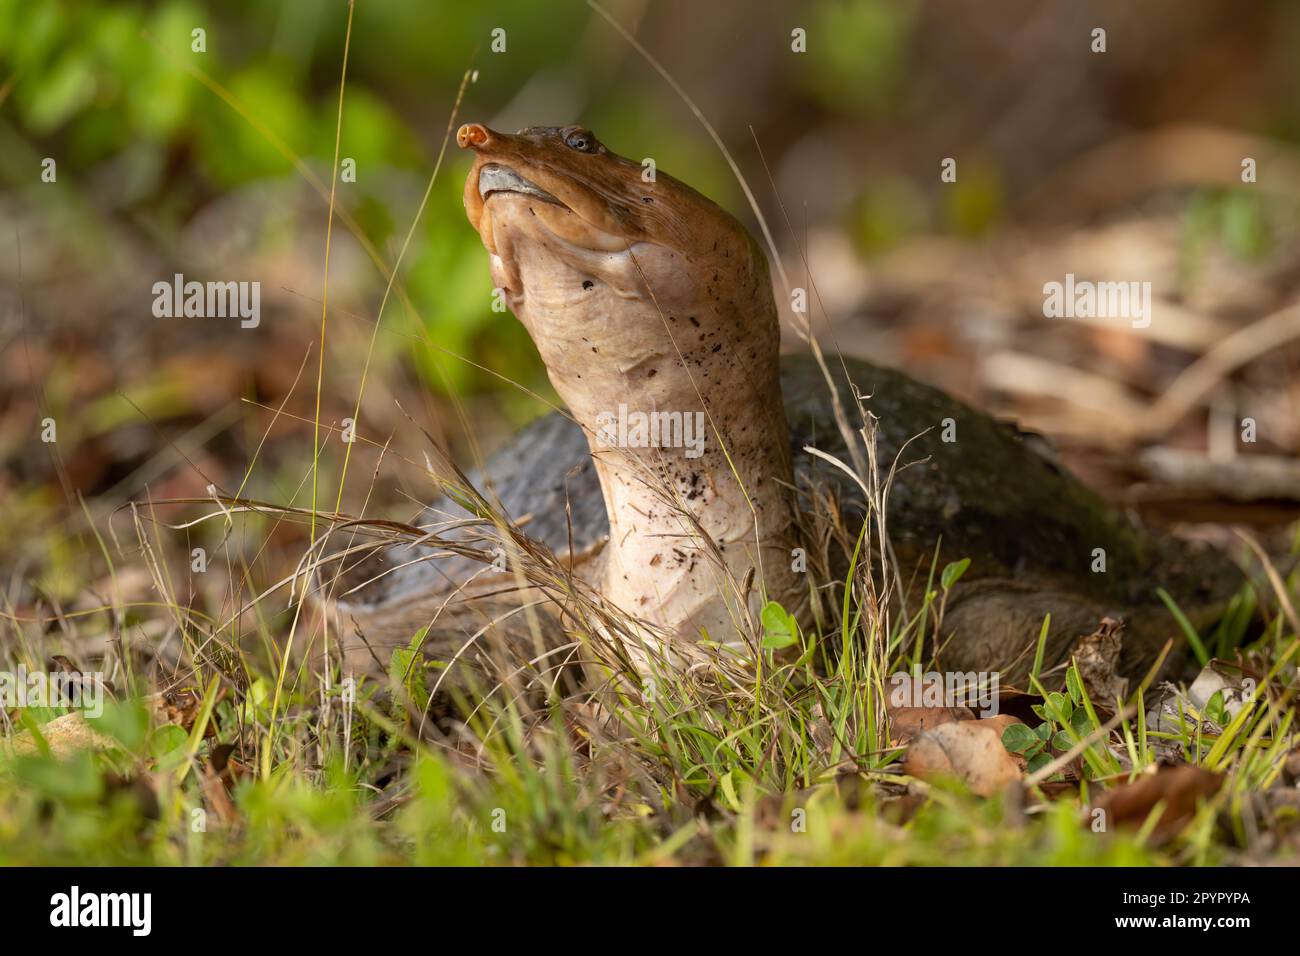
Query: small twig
point(1244, 478)
point(1198, 379)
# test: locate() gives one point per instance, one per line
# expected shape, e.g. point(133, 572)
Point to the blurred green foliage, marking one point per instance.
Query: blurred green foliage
point(864, 59)
point(1241, 224)
point(109, 85)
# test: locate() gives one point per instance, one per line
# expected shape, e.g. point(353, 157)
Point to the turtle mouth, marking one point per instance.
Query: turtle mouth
point(495, 178)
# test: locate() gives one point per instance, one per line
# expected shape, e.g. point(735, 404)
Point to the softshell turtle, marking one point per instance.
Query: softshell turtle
point(676, 473)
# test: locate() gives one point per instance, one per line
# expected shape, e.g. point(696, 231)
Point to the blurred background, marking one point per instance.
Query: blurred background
point(1122, 165)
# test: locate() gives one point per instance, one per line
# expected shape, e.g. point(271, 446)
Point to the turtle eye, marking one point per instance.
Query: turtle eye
point(582, 141)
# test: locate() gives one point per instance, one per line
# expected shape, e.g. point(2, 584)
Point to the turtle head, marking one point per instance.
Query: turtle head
point(577, 233)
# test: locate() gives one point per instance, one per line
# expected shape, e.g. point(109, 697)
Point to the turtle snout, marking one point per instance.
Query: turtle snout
point(473, 136)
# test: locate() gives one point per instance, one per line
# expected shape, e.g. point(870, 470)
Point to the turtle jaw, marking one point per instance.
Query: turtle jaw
point(495, 178)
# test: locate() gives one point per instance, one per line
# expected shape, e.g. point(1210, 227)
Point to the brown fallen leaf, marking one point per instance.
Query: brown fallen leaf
point(65, 735)
point(1180, 788)
point(182, 708)
point(1097, 657)
point(216, 779)
point(1056, 789)
point(906, 723)
point(1000, 722)
point(1018, 703)
point(969, 750)
point(70, 733)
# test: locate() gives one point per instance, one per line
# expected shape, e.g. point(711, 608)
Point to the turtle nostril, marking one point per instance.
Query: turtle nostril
point(471, 136)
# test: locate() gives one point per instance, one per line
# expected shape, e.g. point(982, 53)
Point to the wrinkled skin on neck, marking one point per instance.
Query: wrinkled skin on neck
point(646, 298)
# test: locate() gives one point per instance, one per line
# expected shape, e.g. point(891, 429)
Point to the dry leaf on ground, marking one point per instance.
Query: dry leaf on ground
point(1097, 657)
point(969, 750)
point(907, 723)
point(1179, 788)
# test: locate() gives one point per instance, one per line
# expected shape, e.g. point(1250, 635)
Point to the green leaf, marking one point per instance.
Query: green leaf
point(1214, 709)
point(1073, 685)
point(66, 88)
point(953, 572)
point(1244, 226)
point(1038, 763)
point(1059, 706)
point(1194, 639)
point(1062, 740)
point(1043, 730)
point(780, 629)
point(1080, 723)
point(1018, 738)
point(1042, 647)
point(127, 722)
point(74, 780)
point(406, 668)
point(729, 794)
point(167, 739)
